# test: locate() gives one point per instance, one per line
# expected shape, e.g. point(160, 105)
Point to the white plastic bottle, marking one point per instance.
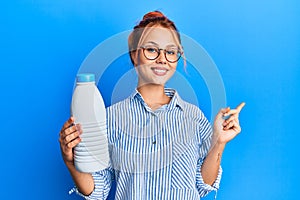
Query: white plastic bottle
point(88, 109)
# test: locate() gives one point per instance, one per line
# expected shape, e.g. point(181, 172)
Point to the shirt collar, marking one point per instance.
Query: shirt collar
point(173, 94)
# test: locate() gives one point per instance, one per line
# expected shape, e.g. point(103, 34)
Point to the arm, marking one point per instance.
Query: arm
point(83, 181)
point(69, 138)
point(224, 131)
point(211, 164)
point(91, 186)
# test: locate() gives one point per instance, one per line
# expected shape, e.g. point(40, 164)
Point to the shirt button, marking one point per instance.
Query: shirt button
point(153, 114)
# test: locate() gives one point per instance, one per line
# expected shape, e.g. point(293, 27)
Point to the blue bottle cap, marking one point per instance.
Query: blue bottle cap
point(85, 78)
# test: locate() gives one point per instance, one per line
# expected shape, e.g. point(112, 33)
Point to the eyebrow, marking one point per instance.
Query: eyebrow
point(154, 43)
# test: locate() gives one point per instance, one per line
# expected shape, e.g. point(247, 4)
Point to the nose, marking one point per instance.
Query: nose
point(161, 59)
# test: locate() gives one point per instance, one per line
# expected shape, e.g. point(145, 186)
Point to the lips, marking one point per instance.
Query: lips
point(159, 71)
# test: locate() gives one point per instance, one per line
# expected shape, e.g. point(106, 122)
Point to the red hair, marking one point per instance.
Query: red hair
point(150, 19)
point(153, 14)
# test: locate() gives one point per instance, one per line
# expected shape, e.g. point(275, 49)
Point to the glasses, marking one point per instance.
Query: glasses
point(172, 54)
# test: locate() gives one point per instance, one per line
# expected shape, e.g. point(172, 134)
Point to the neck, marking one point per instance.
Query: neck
point(153, 95)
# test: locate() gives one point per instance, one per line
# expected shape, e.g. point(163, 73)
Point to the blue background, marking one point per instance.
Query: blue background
point(255, 44)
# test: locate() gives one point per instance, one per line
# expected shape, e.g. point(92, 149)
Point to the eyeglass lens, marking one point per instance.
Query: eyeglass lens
point(171, 54)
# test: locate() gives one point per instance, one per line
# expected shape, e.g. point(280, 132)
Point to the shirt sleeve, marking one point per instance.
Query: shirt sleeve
point(102, 181)
point(202, 187)
point(204, 138)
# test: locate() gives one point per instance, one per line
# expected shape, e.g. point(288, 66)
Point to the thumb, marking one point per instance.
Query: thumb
point(222, 112)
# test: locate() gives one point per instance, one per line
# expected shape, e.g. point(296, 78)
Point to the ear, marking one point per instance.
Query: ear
point(134, 57)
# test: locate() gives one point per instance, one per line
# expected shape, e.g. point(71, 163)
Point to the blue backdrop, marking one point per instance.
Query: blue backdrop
point(255, 44)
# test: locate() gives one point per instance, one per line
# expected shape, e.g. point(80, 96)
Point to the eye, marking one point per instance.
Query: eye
point(151, 49)
point(171, 51)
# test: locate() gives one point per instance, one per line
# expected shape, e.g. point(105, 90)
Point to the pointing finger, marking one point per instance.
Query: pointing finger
point(234, 111)
point(239, 107)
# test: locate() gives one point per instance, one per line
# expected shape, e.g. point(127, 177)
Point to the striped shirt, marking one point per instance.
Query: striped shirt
point(155, 154)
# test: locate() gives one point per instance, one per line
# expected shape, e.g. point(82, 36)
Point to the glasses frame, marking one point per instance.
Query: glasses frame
point(165, 53)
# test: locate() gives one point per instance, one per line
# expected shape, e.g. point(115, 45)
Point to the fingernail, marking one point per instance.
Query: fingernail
point(225, 116)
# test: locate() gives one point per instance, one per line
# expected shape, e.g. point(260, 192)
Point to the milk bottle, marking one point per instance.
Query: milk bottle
point(88, 109)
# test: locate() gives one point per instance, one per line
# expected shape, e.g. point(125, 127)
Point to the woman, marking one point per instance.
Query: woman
point(161, 147)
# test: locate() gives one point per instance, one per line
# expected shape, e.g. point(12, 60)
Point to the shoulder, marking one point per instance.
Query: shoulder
point(195, 116)
point(190, 110)
point(119, 106)
point(116, 116)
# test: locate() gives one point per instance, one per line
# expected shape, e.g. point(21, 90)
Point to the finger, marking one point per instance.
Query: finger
point(230, 112)
point(71, 137)
point(239, 107)
point(235, 111)
point(222, 112)
point(231, 118)
point(73, 143)
point(68, 123)
point(68, 138)
point(236, 127)
point(234, 120)
point(229, 125)
point(71, 130)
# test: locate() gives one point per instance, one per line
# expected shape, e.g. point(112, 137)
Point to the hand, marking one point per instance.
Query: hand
point(69, 138)
point(226, 129)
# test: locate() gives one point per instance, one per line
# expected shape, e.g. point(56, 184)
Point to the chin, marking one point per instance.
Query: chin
point(157, 83)
point(160, 81)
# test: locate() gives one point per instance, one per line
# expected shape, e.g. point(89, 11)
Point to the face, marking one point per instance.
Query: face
point(152, 70)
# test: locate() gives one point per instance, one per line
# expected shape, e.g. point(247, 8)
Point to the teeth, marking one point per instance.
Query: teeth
point(160, 70)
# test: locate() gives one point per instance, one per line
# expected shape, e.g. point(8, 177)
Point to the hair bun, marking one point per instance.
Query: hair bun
point(153, 14)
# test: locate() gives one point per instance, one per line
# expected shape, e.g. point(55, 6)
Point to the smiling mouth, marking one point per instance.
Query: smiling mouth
point(159, 71)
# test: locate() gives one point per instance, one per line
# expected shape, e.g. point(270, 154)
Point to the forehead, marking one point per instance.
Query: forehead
point(159, 35)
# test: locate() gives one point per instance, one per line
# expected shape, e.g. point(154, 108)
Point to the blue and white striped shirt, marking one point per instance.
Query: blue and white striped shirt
point(155, 154)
